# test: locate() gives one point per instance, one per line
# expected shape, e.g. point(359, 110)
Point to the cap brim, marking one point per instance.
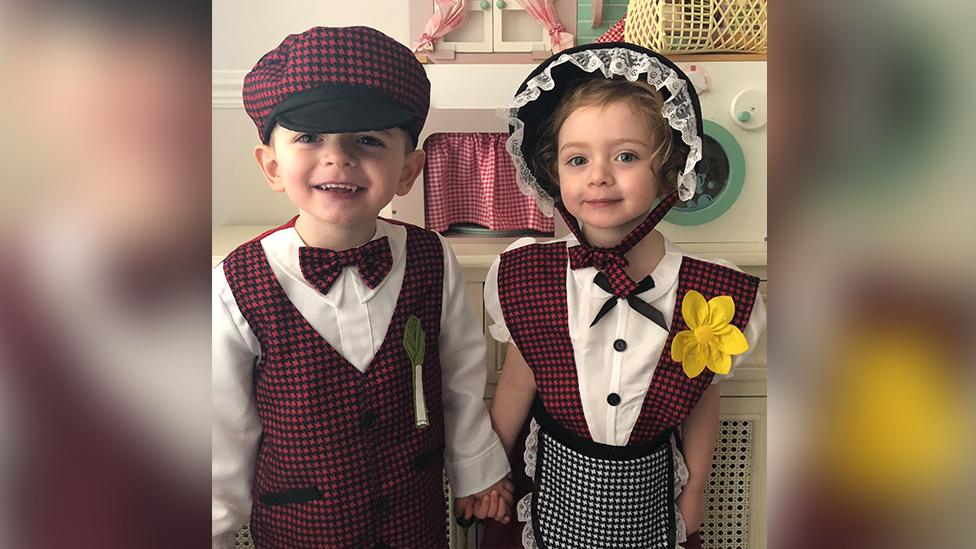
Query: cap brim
point(346, 115)
point(339, 108)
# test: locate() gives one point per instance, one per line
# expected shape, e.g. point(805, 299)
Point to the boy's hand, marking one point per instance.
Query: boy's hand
point(496, 501)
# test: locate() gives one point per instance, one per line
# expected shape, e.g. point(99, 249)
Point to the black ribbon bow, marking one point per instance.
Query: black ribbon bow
point(642, 307)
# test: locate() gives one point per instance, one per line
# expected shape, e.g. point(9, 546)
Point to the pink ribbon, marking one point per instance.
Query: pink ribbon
point(544, 12)
point(426, 42)
point(448, 16)
point(554, 32)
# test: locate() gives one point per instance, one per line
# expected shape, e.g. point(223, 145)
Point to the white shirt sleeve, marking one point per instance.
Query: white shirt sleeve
point(474, 457)
point(493, 306)
point(753, 331)
point(236, 429)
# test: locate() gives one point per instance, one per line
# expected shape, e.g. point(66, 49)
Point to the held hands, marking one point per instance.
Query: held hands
point(492, 502)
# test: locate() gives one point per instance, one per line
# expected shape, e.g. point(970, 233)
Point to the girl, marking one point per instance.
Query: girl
point(615, 335)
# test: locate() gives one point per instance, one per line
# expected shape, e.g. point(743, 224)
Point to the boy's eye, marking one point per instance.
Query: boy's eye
point(576, 161)
point(370, 141)
point(626, 157)
point(308, 138)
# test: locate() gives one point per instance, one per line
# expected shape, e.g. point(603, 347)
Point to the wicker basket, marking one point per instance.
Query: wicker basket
point(696, 26)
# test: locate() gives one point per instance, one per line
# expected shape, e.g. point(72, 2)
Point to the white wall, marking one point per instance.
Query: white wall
point(242, 32)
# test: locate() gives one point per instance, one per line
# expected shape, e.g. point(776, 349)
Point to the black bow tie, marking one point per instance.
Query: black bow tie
point(636, 303)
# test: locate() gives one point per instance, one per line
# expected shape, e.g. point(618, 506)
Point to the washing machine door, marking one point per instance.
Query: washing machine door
point(720, 175)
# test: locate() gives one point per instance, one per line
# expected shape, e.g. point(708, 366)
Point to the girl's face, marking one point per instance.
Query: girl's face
point(604, 160)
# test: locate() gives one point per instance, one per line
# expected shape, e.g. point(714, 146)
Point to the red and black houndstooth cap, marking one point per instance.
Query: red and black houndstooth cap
point(335, 80)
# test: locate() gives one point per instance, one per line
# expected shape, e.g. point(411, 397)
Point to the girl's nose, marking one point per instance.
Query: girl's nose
point(600, 174)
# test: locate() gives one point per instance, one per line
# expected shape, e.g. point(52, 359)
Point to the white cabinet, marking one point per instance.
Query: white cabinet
point(496, 26)
point(515, 29)
point(475, 33)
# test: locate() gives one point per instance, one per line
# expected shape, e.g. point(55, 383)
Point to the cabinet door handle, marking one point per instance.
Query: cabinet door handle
point(485, 4)
point(500, 4)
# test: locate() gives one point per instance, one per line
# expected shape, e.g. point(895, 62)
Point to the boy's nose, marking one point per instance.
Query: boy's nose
point(338, 153)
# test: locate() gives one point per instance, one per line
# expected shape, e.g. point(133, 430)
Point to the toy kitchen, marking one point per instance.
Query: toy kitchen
point(468, 189)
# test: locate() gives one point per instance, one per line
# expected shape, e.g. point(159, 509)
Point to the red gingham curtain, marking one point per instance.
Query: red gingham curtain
point(469, 178)
point(614, 33)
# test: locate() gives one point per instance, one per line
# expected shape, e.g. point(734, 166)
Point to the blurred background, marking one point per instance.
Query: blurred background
point(871, 355)
point(104, 232)
point(104, 332)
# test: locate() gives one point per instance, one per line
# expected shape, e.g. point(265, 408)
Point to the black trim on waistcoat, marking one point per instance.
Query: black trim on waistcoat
point(296, 495)
point(589, 447)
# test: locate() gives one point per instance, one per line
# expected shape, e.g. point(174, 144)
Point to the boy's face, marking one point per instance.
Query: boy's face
point(604, 161)
point(340, 179)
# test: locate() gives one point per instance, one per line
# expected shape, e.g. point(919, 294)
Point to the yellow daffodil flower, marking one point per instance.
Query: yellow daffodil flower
point(711, 340)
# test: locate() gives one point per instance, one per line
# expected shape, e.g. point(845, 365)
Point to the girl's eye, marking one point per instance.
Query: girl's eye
point(626, 157)
point(309, 138)
point(576, 161)
point(370, 141)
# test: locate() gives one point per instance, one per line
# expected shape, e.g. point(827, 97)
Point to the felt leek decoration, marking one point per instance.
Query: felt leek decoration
point(413, 342)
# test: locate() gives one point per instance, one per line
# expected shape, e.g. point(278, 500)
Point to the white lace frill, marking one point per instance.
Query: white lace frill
point(523, 509)
point(680, 480)
point(611, 62)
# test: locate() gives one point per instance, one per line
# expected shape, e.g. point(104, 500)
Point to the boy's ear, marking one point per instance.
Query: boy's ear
point(268, 162)
point(412, 167)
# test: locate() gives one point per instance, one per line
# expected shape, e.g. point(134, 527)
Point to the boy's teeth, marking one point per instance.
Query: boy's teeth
point(331, 186)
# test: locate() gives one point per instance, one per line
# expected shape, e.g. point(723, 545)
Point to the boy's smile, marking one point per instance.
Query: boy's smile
point(339, 188)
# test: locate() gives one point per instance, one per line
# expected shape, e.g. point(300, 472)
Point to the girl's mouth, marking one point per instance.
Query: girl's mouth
point(602, 203)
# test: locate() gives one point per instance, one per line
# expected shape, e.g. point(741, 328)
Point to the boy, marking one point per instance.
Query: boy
point(347, 364)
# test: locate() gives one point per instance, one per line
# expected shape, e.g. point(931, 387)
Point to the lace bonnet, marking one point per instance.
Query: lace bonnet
point(540, 93)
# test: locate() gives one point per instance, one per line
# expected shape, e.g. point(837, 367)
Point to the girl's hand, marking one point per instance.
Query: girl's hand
point(464, 507)
point(496, 501)
point(691, 503)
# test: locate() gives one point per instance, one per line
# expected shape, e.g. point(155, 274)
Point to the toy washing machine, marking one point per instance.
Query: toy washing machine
point(730, 203)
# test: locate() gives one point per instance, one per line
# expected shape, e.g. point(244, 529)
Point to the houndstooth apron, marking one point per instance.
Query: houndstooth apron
point(598, 496)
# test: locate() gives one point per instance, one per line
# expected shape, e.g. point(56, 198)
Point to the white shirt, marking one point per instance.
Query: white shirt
point(599, 368)
point(353, 319)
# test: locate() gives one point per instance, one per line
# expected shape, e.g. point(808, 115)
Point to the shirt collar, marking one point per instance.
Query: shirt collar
point(282, 247)
point(397, 236)
point(665, 275)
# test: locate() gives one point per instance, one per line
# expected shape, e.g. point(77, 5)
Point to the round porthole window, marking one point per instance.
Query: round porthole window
point(721, 173)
